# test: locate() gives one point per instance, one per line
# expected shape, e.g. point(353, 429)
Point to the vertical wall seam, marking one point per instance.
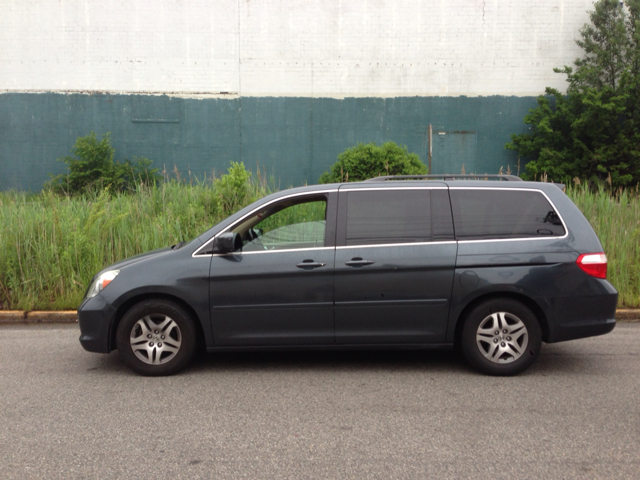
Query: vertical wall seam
point(311, 107)
point(239, 86)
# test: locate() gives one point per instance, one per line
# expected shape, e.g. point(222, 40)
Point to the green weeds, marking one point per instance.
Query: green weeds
point(51, 245)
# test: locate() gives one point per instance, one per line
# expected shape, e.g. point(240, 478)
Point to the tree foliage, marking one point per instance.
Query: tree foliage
point(370, 160)
point(91, 166)
point(593, 131)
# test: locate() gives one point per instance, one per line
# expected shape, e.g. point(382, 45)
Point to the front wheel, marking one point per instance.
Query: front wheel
point(156, 337)
point(501, 337)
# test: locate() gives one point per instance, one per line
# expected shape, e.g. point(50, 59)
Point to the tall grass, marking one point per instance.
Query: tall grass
point(51, 246)
point(616, 219)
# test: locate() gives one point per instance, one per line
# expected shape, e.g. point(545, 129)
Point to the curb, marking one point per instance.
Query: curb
point(12, 317)
point(8, 317)
point(628, 314)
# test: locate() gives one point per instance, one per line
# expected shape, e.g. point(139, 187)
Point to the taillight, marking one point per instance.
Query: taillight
point(595, 264)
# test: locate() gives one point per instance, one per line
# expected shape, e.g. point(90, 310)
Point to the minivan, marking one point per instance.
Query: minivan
point(492, 267)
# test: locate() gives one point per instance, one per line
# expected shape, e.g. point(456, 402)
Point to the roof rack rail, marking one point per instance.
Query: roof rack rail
point(445, 176)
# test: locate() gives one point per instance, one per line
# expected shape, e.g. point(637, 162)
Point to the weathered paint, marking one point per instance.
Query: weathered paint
point(311, 48)
point(293, 138)
point(456, 151)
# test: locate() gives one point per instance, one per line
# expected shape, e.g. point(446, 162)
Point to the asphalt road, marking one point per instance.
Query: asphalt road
point(66, 413)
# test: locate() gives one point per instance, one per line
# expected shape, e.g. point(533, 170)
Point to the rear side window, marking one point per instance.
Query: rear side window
point(378, 217)
point(502, 214)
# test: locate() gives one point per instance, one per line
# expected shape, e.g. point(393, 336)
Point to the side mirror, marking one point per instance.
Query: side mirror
point(228, 242)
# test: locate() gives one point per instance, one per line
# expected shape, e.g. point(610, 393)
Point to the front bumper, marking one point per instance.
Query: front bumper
point(95, 317)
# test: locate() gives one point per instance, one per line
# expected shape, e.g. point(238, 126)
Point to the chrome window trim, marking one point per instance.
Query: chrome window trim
point(411, 244)
point(240, 220)
point(287, 250)
point(518, 239)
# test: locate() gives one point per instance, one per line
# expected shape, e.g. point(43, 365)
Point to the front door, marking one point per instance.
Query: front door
point(278, 288)
point(395, 260)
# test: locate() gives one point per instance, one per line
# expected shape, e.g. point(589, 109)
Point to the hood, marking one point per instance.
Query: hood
point(137, 258)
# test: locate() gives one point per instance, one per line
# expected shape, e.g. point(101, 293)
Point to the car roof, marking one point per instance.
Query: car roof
point(449, 183)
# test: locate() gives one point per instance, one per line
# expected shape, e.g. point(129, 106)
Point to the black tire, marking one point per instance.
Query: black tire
point(156, 337)
point(501, 336)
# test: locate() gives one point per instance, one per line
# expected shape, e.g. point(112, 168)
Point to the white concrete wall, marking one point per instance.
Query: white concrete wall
point(327, 48)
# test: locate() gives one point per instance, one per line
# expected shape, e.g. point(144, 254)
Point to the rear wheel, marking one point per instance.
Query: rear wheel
point(501, 336)
point(156, 337)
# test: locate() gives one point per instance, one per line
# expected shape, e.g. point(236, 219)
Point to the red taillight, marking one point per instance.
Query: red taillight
point(595, 264)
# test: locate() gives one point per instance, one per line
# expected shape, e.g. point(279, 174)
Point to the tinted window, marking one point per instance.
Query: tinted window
point(490, 214)
point(396, 216)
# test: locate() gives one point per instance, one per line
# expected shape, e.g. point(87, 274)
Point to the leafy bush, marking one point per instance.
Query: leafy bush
point(233, 187)
point(91, 167)
point(594, 131)
point(370, 160)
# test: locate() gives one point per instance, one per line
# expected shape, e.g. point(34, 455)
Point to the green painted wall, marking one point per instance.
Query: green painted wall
point(295, 139)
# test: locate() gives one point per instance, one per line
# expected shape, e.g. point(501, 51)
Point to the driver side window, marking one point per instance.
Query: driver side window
point(291, 224)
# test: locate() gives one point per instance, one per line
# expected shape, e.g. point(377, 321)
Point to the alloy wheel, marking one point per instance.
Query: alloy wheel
point(502, 337)
point(155, 339)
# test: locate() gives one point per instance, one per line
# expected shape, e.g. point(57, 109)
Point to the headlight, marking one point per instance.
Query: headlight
point(101, 282)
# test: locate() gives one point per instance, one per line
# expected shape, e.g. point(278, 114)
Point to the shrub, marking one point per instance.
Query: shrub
point(232, 187)
point(91, 167)
point(370, 160)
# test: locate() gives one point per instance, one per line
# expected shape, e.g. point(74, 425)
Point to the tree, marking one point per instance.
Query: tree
point(593, 131)
point(370, 160)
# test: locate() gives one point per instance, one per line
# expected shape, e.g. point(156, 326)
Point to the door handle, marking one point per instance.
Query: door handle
point(359, 262)
point(309, 264)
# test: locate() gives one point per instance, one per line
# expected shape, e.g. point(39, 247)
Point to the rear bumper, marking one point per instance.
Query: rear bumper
point(581, 329)
point(95, 317)
point(581, 316)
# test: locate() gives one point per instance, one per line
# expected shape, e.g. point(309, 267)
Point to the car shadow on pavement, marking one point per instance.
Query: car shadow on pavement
point(559, 359)
point(390, 360)
point(564, 358)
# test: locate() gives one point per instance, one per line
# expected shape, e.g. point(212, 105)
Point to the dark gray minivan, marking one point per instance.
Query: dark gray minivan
point(492, 267)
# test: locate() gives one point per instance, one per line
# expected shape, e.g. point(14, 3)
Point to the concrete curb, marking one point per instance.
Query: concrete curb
point(36, 316)
point(13, 317)
point(628, 314)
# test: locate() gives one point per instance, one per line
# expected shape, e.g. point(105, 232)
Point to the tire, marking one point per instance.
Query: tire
point(156, 337)
point(501, 337)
